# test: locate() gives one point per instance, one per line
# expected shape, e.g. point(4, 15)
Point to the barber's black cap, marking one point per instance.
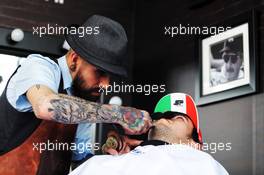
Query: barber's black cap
point(234, 44)
point(107, 50)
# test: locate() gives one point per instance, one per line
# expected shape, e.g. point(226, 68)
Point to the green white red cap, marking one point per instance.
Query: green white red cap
point(181, 103)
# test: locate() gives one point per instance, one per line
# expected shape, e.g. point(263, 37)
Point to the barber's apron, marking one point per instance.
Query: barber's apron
point(21, 135)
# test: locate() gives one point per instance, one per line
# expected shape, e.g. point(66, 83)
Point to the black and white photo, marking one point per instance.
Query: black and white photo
point(227, 62)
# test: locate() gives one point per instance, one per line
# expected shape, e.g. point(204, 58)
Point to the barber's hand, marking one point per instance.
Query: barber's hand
point(118, 144)
point(135, 121)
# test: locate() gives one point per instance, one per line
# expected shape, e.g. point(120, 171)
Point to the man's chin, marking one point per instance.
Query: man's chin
point(230, 76)
point(93, 98)
point(89, 97)
point(95, 94)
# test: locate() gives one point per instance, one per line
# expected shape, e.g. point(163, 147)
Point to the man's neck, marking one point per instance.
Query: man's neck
point(188, 141)
point(172, 140)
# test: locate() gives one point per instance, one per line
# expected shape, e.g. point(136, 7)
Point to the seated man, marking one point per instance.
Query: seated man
point(172, 147)
point(231, 66)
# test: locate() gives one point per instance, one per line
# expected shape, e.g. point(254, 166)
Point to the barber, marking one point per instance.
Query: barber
point(65, 90)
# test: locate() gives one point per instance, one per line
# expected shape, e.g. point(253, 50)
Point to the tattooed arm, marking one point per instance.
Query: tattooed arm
point(70, 110)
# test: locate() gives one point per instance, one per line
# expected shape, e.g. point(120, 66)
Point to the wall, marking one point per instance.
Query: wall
point(172, 61)
point(27, 14)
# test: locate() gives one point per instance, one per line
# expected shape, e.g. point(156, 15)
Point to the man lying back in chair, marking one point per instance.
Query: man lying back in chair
point(173, 146)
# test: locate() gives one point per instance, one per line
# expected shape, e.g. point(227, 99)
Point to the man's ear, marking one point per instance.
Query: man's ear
point(73, 60)
point(73, 57)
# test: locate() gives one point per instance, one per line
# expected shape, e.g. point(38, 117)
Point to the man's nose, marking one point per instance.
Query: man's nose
point(104, 81)
point(228, 64)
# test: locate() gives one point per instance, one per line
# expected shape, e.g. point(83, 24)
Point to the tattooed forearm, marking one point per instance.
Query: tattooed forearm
point(68, 109)
point(48, 105)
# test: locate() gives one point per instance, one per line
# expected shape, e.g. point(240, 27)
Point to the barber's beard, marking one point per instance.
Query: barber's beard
point(84, 93)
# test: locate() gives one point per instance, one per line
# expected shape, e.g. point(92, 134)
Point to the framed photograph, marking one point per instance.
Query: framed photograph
point(228, 64)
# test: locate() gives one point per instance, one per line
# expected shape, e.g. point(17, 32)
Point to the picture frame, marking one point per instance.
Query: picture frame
point(227, 64)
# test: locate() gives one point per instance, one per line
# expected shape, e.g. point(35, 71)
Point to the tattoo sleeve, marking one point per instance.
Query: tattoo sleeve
point(70, 110)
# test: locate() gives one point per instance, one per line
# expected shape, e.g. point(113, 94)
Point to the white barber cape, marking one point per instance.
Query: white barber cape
point(153, 160)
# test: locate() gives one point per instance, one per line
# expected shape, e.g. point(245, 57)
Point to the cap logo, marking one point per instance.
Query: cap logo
point(178, 103)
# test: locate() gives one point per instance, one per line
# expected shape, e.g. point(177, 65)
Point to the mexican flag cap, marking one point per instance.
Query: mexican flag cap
point(181, 103)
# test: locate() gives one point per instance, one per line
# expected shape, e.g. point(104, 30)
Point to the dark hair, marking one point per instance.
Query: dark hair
point(170, 115)
point(167, 115)
point(195, 136)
